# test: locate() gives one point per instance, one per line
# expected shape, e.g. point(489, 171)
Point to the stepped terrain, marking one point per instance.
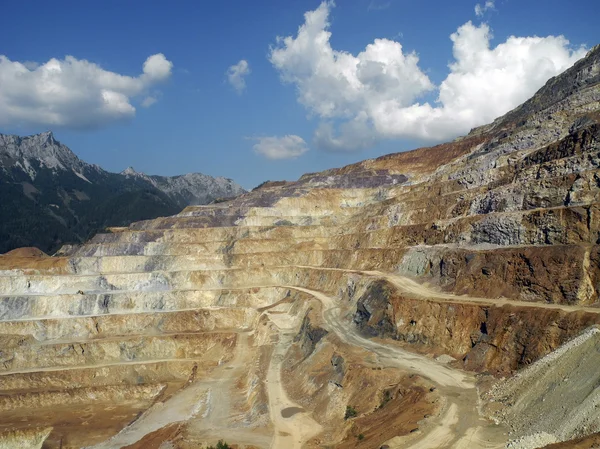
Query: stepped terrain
point(445, 297)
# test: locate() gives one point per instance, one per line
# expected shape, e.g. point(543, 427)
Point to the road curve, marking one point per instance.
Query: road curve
point(458, 423)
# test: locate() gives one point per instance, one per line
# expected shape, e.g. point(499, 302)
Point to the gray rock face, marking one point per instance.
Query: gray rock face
point(40, 151)
point(51, 197)
point(371, 315)
point(192, 188)
point(35, 153)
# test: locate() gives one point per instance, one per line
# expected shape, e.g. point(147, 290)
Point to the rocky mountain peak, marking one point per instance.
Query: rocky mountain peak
point(47, 136)
point(33, 152)
point(45, 140)
point(595, 49)
point(130, 171)
point(44, 184)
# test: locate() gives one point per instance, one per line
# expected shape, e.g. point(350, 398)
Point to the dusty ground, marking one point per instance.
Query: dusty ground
point(457, 387)
point(410, 418)
point(591, 442)
point(31, 260)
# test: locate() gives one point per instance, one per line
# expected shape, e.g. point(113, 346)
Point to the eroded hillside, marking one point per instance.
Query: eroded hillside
point(384, 304)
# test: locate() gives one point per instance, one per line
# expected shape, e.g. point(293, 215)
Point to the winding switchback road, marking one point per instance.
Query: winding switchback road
point(459, 425)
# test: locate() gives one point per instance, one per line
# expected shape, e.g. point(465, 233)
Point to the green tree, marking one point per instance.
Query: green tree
point(350, 412)
point(220, 445)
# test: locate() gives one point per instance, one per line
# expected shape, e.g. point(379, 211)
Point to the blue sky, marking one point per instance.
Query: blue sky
point(380, 82)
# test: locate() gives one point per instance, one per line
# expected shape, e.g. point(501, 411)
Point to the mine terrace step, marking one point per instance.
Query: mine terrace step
point(170, 371)
point(199, 346)
point(114, 325)
point(209, 222)
point(460, 229)
point(25, 308)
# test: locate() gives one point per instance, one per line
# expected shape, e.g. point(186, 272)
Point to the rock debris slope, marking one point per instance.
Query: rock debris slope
point(363, 307)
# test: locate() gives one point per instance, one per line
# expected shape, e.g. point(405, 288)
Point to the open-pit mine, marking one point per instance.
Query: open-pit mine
point(445, 297)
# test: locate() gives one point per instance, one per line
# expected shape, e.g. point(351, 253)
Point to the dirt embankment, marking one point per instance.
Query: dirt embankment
point(32, 260)
point(555, 274)
point(24, 439)
point(556, 398)
point(361, 403)
point(591, 442)
point(485, 338)
point(29, 251)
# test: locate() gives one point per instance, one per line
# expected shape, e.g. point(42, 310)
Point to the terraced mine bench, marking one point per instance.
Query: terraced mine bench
point(358, 307)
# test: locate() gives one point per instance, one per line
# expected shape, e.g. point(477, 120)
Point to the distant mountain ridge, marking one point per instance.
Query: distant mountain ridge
point(190, 189)
point(48, 196)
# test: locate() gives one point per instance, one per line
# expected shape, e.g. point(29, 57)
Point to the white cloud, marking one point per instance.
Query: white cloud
point(353, 135)
point(483, 83)
point(149, 101)
point(73, 93)
point(286, 147)
point(31, 65)
point(480, 10)
point(334, 83)
point(157, 67)
point(236, 74)
point(375, 5)
point(375, 93)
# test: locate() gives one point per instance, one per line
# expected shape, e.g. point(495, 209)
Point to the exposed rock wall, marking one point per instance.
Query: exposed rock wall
point(496, 339)
point(486, 249)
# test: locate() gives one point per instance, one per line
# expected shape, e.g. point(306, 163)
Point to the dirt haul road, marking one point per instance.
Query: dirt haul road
point(459, 425)
point(294, 431)
point(420, 291)
point(205, 404)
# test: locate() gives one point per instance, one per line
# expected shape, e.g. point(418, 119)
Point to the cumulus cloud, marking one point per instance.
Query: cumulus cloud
point(375, 93)
point(157, 67)
point(73, 93)
point(375, 5)
point(236, 74)
point(149, 101)
point(286, 147)
point(483, 84)
point(480, 9)
point(353, 135)
point(335, 83)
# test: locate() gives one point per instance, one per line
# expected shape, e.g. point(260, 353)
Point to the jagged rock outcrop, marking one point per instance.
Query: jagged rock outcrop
point(189, 189)
point(48, 196)
point(323, 312)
